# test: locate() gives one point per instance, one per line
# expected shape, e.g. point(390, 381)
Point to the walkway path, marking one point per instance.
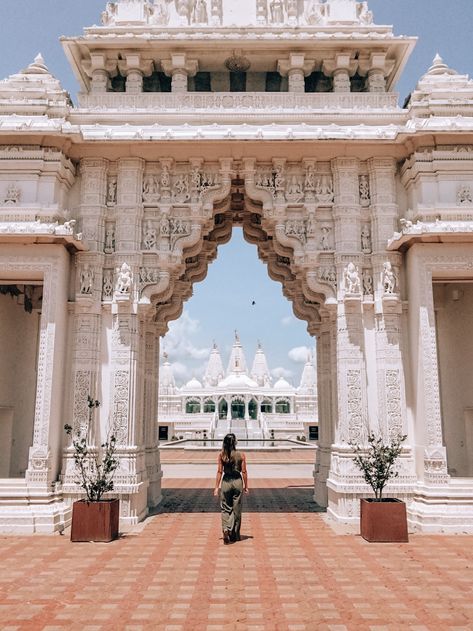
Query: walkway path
point(291, 572)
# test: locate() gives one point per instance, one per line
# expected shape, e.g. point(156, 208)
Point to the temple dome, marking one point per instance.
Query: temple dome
point(282, 384)
point(193, 384)
point(237, 381)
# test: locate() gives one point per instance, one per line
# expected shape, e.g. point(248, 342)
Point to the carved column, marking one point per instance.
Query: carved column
point(296, 68)
point(390, 395)
point(349, 343)
point(376, 68)
point(327, 403)
point(99, 71)
point(134, 68)
point(341, 67)
point(150, 409)
point(179, 68)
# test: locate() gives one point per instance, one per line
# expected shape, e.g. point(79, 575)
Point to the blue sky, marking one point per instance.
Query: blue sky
point(222, 303)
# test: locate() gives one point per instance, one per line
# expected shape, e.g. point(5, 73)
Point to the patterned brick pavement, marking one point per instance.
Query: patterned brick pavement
point(291, 572)
point(304, 455)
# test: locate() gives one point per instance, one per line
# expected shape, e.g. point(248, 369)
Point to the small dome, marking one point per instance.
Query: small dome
point(237, 381)
point(193, 384)
point(282, 384)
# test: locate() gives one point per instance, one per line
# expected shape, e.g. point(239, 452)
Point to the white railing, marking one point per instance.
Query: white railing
point(165, 103)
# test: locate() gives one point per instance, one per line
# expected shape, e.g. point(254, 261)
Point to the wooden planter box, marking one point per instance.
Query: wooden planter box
point(95, 521)
point(383, 522)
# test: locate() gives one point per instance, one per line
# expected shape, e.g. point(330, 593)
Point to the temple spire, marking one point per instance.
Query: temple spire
point(214, 371)
point(260, 371)
point(237, 362)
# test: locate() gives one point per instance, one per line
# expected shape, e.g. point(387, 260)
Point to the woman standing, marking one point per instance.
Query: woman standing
point(232, 465)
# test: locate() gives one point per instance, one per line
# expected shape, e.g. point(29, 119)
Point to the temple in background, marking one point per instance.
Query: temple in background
point(239, 400)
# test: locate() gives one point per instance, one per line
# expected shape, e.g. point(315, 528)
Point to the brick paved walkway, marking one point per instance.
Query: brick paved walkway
point(291, 572)
point(201, 456)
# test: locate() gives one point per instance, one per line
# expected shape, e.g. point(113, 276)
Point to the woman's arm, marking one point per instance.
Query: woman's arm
point(219, 475)
point(244, 474)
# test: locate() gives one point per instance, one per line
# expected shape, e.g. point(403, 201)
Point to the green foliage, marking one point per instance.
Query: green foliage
point(377, 462)
point(95, 466)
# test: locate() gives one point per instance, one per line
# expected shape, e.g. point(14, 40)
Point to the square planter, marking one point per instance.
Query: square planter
point(383, 522)
point(95, 521)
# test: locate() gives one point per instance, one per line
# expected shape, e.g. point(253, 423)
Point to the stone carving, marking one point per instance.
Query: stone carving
point(296, 228)
point(354, 405)
point(328, 275)
point(366, 240)
point(109, 15)
point(124, 280)
point(309, 182)
point(150, 237)
point(86, 281)
point(295, 189)
point(365, 16)
point(151, 189)
point(165, 226)
point(325, 238)
point(389, 279)
point(351, 277)
point(180, 192)
point(393, 402)
point(120, 405)
point(148, 276)
point(365, 195)
point(276, 9)
point(112, 191)
point(199, 12)
point(315, 12)
point(13, 195)
point(311, 225)
point(324, 189)
point(159, 13)
point(109, 247)
point(367, 283)
point(107, 285)
point(464, 196)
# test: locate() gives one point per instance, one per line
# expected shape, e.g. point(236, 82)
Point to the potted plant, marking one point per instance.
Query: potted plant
point(382, 519)
point(94, 518)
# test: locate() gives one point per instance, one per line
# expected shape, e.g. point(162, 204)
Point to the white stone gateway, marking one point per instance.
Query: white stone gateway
point(280, 117)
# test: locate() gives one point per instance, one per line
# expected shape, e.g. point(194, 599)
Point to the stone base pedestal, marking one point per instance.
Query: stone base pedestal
point(443, 509)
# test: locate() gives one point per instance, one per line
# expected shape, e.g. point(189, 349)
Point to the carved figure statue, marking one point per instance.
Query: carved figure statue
point(181, 188)
point(352, 279)
point(86, 280)
point(109, 14)
point(112, 191)
point(150, 237)
point(277, 11)
point(150, 189)
point(367, 283)
point(364, 190)
point(124, 280)
point(315, 12)
point(309, 182)
point(364, 14)
point(389, 279)
point(107, 287)
point(366, 240)
point(325, 240)
point(13, 195)
point(68, 226)
point(109, 240)
point(324, 188)
point(311, 223)
point(159, 13)
point(199, 13)
point(165, 178)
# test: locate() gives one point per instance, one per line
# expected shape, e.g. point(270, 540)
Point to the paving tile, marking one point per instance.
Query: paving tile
point(290, 572)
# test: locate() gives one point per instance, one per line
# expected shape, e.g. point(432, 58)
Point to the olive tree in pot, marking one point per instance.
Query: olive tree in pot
point(382, 519)
point(94, 518)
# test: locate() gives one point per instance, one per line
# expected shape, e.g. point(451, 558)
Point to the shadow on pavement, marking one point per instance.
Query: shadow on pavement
point(283, 500)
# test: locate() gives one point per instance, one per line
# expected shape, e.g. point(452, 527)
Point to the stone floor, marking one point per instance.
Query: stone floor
point(292, 571)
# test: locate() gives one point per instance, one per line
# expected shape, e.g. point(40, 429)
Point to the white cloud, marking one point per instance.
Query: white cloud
point(180, 371)
point(281, 372)
point(299, 354)
point(178, 342)
point(287, 321)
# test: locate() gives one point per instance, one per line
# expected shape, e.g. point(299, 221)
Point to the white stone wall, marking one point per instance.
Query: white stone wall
point(454, 317)
point(18, 360)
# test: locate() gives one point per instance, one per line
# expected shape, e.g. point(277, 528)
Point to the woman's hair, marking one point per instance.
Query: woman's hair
point(228, 447)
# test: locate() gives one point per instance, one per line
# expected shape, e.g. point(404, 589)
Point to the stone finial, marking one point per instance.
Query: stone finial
point(440, 67)
point(37, 67)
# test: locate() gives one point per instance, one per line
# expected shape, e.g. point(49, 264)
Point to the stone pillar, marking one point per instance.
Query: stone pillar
point(247, 413)
point(179, 68)
point(349, 343)
point(134, 68)
point(150, 409)
point(296, 68)
point(100, 69)
point(341, 67)
point(376, 68)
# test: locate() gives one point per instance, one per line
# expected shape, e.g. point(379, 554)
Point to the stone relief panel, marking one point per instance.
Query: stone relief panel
point(295, 183)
